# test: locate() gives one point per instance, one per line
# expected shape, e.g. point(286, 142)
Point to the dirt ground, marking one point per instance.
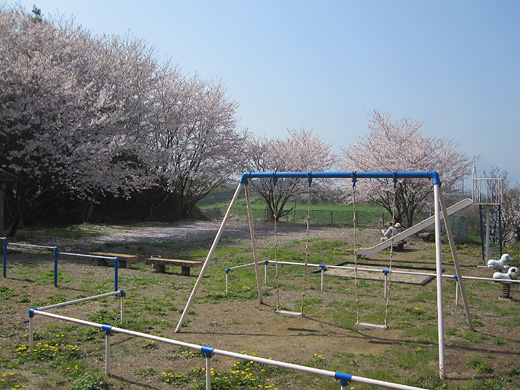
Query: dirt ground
point(246, 325)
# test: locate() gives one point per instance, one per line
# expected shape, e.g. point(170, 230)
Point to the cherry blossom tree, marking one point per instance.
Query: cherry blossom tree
point(400, 146)
point(301, 151)
point(69, 116)
point(194, 143)
point(85, 116)
point(509, 209)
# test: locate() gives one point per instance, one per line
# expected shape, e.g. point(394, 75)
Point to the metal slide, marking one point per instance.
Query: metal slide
point(361, 252)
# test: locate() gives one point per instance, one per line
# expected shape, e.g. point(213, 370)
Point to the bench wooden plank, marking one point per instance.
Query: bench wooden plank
point(159, 264)
point(122, 258)
point(427, 236)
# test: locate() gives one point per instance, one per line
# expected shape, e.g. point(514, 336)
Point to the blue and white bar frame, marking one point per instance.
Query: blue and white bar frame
point(344, 378)
point(439, 207)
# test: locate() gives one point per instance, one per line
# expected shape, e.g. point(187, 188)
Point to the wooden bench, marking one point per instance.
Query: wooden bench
point(159, 264)
point(427, 236)
point(398, 246)
point(122, 258)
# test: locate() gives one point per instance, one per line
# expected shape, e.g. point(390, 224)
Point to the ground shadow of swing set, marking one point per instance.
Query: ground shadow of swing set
point(440, 212)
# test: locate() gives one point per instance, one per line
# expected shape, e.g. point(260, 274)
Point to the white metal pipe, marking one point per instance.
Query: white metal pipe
point(438, 257)
point(208, 258)
point(75, 320)
point(253, 244)
point(89, 256)
point(208, 373)
point(322, 279)
point(31, 333)
point(488, 227)
point(227, 283)
point(238, 355)
point(386, 284)
point(455, 256)
point(80, 300)
point(449, 276)
point(107, 353)
point(122, 309)
point(31, 245)
point(242, 266)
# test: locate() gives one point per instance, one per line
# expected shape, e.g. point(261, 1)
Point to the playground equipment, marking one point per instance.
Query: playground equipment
point(275, 217)
point(388, 273)
point(57, 253)
point(488, 194)
point(439, 209)
point(344, 378)
point(500, 264)
point(512, 274)
point(506, 280)
point(362, 252)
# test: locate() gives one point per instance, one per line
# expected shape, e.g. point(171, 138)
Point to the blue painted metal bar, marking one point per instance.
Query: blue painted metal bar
point(56, 254)
point(341, 175)
point(116, 273)
point(5, 257)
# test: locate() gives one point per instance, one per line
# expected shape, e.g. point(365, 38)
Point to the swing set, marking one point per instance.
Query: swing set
point(439, 208)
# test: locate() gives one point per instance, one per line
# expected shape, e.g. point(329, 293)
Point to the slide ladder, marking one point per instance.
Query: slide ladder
point(361, 252)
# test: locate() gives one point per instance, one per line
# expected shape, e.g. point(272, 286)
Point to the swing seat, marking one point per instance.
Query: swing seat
point(289, 313)
point(371, 326)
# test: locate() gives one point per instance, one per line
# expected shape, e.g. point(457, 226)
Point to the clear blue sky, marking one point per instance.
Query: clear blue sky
point(324, 65)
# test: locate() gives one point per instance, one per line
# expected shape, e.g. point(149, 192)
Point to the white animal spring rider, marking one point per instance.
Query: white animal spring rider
point(504, 277)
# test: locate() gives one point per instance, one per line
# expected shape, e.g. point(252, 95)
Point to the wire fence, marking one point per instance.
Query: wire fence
point(341, 218)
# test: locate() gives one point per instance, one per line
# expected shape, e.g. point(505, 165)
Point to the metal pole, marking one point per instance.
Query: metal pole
point(208, 258)
point(227, 281)
point(208, 372)
point(107, 329)
point(487, 232)
point(438, 256)
point(265, 271)
point(455, 256)
point(116, 272)
point(343, 377)
point(81, 300)
point(253, 243)
point(31, 332)
point(56, 254)
point(5, 257)
point(122, 307)
point(386, 282)
point(457, 292)
point(322, 277)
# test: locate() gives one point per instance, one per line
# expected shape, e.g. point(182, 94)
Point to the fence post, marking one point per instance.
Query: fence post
point(116, 272)
point(323, 268)
point(107, 329)
point(56, 254)
point(344, 379)
point(331, 217)
point(122, 295)
point(5, 257)
point(227, 280)
point(208, 353)
point(265, 271)
point(31, 330)
point(385, 271)
point(456, 290)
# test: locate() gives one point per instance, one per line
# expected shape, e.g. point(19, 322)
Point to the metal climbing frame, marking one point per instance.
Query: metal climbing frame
point(488, 193)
